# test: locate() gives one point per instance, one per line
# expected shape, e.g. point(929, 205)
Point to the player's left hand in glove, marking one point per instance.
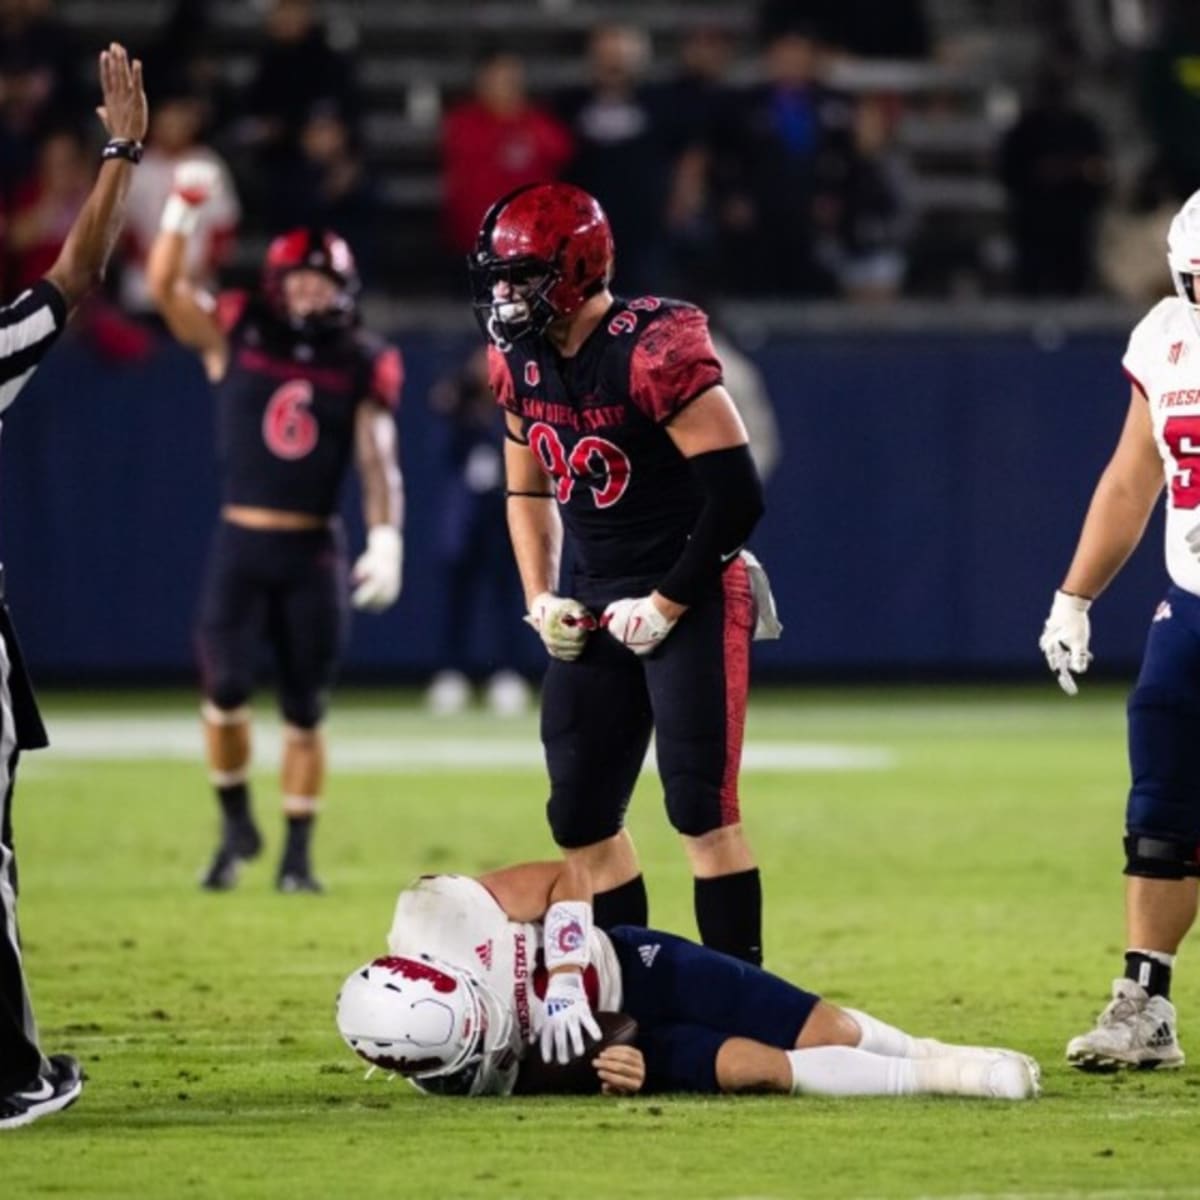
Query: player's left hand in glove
point(1065, 638)
point(564, 1017)
point(376, 574)
point(637, 623)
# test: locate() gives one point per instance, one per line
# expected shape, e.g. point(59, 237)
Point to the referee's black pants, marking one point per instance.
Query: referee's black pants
point(20, 728)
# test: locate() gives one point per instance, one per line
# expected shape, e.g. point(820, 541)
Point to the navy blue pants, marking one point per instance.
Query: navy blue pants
point(598, 714)
point(689, 1000)
point(288, 590)
point(1164, 726)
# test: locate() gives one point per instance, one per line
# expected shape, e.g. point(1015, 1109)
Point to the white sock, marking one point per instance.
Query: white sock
point(844, 1071)
point(878, 1037)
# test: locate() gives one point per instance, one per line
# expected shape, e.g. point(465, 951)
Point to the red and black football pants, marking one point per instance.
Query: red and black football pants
point(287, 590)
point(599, 712)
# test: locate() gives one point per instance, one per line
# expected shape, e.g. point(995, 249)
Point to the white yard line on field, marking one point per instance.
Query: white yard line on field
point(115, 738)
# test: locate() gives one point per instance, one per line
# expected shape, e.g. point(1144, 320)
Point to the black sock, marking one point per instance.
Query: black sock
point(295, 853)
point(235, 801)
point(623, 905)
point(1153, 975)
point(729, 914)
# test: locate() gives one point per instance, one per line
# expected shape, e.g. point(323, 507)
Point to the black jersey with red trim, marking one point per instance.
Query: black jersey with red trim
point(286, 407)
point(597, 422)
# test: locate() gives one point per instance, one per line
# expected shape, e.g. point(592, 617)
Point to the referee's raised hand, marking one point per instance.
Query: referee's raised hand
point(124, 111)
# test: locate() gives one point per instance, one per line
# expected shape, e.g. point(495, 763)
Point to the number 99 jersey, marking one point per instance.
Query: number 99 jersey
point(596, 423)
point(286, 407)
point(1163, 360)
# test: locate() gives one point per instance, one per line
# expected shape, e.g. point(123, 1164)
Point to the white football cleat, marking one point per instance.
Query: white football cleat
point(1134, 1031)
point(508, 695)
point(449, 694)
point(999, 1076)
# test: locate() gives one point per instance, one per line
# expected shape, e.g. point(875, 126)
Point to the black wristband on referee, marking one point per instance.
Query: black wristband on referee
point(126, 148)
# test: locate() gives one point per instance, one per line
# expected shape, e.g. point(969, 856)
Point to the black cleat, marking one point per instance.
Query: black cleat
point(56, 1088)
point(240, 842)
point(300, 878)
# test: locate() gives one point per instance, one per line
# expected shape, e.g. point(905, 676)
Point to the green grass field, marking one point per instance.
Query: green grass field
point(949, 860)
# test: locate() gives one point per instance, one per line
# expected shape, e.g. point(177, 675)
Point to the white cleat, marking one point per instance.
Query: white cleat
point(932, 1048)
point(1135, 1031)
point(508, 695)
point(449, 694)
point(998, 1076)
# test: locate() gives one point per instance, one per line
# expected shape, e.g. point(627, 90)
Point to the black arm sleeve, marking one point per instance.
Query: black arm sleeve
point(733, 503)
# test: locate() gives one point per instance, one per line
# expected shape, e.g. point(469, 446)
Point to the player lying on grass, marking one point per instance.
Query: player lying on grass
point(478, 968)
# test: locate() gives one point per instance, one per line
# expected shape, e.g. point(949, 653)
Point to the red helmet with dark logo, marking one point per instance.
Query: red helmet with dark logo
point(551, 243)
point(312, 250)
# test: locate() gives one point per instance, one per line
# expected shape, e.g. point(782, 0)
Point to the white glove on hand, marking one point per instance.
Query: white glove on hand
point(376, 574)
point(637, 623)
point(563, 624)
point(193, 184)
point(564, 1016)
point(1065, 637)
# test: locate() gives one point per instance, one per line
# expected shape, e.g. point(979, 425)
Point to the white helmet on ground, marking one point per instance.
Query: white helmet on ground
point(1183, 253)
point(434, 1023)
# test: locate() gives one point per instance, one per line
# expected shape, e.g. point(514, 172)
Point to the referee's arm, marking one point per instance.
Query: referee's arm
point(32, 322)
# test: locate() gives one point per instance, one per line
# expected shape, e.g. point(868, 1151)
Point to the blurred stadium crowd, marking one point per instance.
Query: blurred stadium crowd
point(794, 148)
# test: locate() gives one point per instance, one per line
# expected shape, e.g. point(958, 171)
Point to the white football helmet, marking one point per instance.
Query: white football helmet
point(436, 1024)
point(1183, 254)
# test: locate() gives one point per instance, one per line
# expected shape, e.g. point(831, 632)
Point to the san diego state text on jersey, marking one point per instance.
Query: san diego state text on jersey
point(285, 409)
point(596, 423)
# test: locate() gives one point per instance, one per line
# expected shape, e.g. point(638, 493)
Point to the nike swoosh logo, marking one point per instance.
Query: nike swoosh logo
point(43, 1093)
point(731, 555)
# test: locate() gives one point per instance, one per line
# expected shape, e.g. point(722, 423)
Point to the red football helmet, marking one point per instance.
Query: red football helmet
point(551, 243)
point(312, 250)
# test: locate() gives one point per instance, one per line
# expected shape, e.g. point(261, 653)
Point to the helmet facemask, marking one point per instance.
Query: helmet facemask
point(511, 297)
point(377, 1016)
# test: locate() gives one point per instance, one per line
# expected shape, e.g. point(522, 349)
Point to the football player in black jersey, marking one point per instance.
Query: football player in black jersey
point(300, 389)
point(618, 421)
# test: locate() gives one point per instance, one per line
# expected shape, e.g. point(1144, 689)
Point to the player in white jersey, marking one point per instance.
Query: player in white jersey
point(478, 968)
point(1159, 445)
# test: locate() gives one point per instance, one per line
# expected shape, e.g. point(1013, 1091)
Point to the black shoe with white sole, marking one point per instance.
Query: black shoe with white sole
point(58, 1087)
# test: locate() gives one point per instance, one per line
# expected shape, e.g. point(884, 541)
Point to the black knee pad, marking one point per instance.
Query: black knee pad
point(693, 805)
point(575, 820)
point(1169, 856)
point(230, 691)
point(303, 709)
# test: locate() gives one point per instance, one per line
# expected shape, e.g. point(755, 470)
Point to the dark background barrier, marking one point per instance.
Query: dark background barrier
point(929, 496)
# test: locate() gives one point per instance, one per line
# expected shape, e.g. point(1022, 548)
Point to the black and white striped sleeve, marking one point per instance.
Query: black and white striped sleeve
point(29, 326)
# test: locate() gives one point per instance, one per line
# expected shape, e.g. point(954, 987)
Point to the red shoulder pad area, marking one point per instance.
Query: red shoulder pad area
point(387, 377)
point(673, 363)
point(500, 380)
point(230, 307)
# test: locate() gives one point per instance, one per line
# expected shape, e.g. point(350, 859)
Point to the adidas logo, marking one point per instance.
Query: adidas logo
point(1162, 1036)
point(484, 953)
point(649, 953)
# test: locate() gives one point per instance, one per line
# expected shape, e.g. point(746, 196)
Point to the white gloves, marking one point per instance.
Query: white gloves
point(192, 186)
point(565, 1015)
point(563, 624)
point(376, 574)
point(637, 623)
point(1065, 637)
